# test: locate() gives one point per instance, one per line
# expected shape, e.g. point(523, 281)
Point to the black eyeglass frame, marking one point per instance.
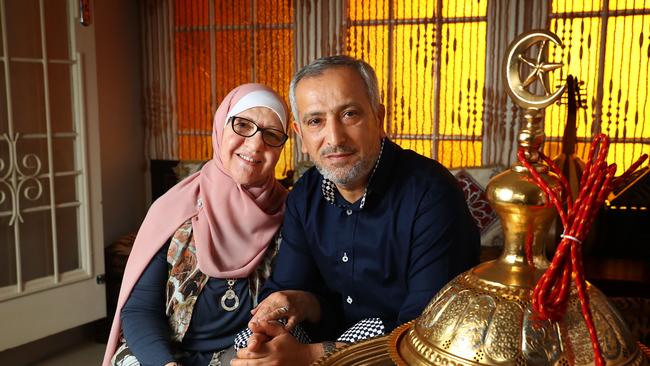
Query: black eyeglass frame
point(258, 129)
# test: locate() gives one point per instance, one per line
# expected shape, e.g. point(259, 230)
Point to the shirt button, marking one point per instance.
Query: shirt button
point(349, 212)
point(345, 257)
point(349, 300)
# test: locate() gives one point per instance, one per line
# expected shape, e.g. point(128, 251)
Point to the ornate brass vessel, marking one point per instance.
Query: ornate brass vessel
point(484, 316)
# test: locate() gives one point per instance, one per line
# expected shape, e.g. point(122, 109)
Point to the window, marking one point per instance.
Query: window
point(607, 46)
point(430, 63)
point(212, 47)
point(222, 44)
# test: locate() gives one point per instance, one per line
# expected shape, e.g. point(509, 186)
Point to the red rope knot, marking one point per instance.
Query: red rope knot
point(551, 294)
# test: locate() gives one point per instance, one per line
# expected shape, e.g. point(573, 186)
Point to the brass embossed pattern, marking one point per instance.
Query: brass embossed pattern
point(502, 340)
point(542, 343)
point(470, 332)
point(493, 326)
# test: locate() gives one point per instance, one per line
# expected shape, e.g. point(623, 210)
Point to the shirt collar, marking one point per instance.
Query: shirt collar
point(329, 189)
point(384, 171)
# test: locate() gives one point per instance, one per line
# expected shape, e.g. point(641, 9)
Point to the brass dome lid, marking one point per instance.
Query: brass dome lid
point(477, 322)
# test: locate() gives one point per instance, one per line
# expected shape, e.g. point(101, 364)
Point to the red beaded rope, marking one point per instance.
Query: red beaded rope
point(551, 294)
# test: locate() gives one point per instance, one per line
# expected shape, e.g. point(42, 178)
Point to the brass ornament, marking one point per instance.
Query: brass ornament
point(516, 56)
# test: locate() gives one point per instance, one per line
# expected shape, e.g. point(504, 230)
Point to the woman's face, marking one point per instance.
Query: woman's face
point(248, 159)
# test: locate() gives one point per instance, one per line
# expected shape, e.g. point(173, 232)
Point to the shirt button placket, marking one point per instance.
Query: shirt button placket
point(345, 258)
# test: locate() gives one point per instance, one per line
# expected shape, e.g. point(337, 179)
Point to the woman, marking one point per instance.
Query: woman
point(183, 299)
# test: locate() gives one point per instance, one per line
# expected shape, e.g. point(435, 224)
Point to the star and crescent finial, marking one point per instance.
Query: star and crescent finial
point(516, 55)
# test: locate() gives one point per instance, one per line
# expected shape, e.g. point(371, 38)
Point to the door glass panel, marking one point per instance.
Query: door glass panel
point(65, 189)
point(2, 48)
point(27, 97)
point(68, 239)
point(3, 100)
point(33, 194)
point(23, 23)
point(38, 237)
point(60, 84)
point(5, 192)
point(7, 250)
point(26, 212)
point(36, 245)
point(31, 157)
point(56, 29)
point(7, 254)
point(63, 154)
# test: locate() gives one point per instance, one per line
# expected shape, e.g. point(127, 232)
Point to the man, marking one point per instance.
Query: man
point(369, 235)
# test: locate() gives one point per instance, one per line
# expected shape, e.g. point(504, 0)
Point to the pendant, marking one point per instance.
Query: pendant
point(230, 295)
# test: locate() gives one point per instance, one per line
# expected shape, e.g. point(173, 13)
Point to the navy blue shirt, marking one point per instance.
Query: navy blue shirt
point(211, 328)
point(386, 258)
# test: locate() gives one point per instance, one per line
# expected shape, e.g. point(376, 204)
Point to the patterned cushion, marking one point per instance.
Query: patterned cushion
point(481, 211)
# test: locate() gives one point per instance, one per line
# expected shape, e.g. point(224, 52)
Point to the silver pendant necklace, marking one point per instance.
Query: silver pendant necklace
point(228, 296)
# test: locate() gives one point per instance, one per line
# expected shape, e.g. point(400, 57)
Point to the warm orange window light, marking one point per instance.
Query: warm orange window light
point(215, 53)
point(431, 68)
point(417, 49)
point(615, 70)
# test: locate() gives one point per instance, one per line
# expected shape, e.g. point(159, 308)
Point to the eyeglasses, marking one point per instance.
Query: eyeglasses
point(246, 128)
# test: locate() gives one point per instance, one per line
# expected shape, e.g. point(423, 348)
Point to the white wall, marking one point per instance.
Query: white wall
point(119, 69)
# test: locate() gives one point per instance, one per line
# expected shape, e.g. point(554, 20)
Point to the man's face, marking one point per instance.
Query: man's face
point(339, 130)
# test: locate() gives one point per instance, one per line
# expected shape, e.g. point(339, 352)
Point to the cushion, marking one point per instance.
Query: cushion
point(485, 217)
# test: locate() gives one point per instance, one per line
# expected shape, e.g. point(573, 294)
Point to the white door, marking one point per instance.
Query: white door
point(51, 246)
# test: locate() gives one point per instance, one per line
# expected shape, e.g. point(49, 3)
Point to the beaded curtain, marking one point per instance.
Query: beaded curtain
point(430, 60)
point(207, 48)
point(438, 63)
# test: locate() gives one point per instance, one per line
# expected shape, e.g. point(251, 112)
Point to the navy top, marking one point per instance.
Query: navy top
point(211, 329)
point(385, 259)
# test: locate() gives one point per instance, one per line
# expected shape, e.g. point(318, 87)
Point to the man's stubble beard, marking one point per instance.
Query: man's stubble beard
point(346, 175)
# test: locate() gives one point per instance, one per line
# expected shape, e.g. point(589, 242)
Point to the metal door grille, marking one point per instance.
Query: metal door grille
point(42, 165)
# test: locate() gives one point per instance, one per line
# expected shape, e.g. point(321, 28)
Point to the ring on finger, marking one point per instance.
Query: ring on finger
point(284, 309)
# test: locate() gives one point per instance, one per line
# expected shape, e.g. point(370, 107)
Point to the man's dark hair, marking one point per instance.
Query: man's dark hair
point(318, 66)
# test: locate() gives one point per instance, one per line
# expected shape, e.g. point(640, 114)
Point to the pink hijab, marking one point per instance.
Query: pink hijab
point(232, 226)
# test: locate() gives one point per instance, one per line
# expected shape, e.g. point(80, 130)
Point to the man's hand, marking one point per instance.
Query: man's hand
point(296, 306)
point(272, 345)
